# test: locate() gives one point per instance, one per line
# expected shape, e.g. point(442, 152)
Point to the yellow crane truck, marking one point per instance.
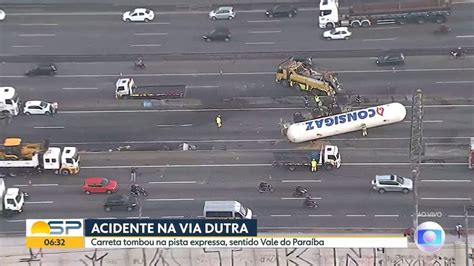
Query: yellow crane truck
point(298, 74)
point(14, 149)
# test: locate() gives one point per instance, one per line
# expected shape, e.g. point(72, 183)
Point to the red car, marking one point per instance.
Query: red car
point(99, 185)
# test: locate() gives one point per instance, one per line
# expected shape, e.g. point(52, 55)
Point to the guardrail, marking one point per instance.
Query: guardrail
point(222, 56)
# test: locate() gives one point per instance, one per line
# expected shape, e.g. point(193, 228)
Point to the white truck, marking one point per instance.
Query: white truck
point(383, 12)
point(11, 199)
point(64, 162)
point(328, 156)
point(9, 101)
point(126, 88)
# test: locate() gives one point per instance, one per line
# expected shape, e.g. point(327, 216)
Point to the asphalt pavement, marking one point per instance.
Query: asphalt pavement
point(92, 33)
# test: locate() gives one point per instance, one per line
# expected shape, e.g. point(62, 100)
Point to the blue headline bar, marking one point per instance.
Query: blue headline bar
point(169, 227)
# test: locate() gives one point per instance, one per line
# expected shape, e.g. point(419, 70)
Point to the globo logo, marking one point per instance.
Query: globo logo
point(429, 237)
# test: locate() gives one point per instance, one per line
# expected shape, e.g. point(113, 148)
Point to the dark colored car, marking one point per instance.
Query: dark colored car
point(218, 34)
point(42, 70)
point(120, 202)
point(391, 59)
point(282, 10)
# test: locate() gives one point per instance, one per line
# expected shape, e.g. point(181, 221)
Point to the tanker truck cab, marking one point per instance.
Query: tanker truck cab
point(328, 14)
point(226, 210)
point(330, 157)
point(124, 87)
point(9, 101)
point(65, 162)
point(11, 199)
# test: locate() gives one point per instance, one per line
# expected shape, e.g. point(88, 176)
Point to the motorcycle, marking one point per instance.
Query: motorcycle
point(265, 187)
point(300, 192)
point(310, 203)
point(456, 54)
point(137, 191)
point(442, 30)
point(139, 65)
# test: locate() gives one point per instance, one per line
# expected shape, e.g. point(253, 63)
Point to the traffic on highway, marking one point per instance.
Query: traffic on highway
point(302, 116)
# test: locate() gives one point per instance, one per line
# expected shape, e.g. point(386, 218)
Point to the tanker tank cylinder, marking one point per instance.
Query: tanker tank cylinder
point(346, 122)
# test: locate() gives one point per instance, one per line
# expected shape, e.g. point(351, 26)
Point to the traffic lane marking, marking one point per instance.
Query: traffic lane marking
point(447, 180)
point(383, 28)
point(37, 185)
point(242, 73)
point(26, 46)
point(302, 198)
point(355, 215)
point(37, 35)
point(280, 215)
point(169, 199)
point(263, 21)
point(39, 202)
point(172, 182)
point(151, 34)
point(454, 82)
point(259, 43)
point(39, 24)
point(183, 125)
point(302, 181)
point(376, 40)
point(465, 36)
point(264, 31)
point(145, 45)
point(448, 199)
point(427, 121)
point(385, 215)
point(80, 88)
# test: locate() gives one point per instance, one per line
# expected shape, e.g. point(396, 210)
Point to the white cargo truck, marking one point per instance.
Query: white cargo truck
point(9, 101)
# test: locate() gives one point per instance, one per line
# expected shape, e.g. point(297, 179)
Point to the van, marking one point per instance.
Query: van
point(384, 183)
point(226, 210)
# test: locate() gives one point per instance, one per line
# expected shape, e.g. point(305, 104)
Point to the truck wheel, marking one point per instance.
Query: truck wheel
point(329, 167)
point(65, 172)
point(405, 191)
point(292, 168)
point(355, 24)
point(365, 23)
point(420, 20)
point(330, 25)
point(285, 83)
point(381, 190)
point(440, 19)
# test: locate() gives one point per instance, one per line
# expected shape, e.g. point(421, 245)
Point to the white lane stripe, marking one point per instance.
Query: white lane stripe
point(302, 181)
point(376, 40)
point(202, 86)
point(26, 46)
point(80, 88)
point(455, 82)
point(145, 45)
point(355, 215)
point(456, 199)
point(383, 28)
point(37, 185)
point(265, 31)
point(386, 215)
point(263, 21)
point(37, 35)
point(465, 36)
point(302, 198)
point(58, 127)
point(138, 217)
point(320, 215)
point(259, 43)
point(169, 199)
point(172, 217)
point(39, 202)
point(151, 34)
point(156, 23)
point(427, 121)
point(460, 216)
point(172, 182)
point(39, 24)
point(447, 180)
point(15, 221)
point(280, 215)
point(183, 125)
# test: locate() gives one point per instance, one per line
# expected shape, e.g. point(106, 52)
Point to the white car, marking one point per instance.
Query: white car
point(138, 15)
point(339, 33)
point(2, 15)
point(40, 108)
point(223, 12)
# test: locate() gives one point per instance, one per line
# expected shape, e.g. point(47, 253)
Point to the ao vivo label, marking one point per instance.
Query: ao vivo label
point(344, 118)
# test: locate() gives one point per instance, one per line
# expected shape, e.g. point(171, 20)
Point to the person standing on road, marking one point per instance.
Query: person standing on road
point(364, 130)
point(219, 121)
point(459, 230)
point(133, 174)
point(306, 102)
point(317, 100)
point(314, 165)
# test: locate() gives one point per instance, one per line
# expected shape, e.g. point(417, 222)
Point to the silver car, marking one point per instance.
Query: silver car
point(223, 12)
point(384, 183)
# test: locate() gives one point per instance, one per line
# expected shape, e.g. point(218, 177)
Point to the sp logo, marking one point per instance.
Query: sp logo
point(63, 227)
point(56, 227)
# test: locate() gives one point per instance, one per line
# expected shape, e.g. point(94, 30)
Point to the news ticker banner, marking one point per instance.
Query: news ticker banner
point(183, 233)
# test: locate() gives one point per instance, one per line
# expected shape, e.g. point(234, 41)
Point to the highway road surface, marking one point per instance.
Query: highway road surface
point(230, 162)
